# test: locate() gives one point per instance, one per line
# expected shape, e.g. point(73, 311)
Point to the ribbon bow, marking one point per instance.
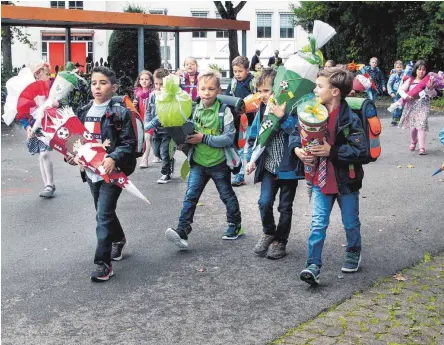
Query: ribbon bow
point(352, 67)
point(308, 53)
point(318, 113)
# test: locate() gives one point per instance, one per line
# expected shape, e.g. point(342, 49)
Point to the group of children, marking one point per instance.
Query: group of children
point(280, 166)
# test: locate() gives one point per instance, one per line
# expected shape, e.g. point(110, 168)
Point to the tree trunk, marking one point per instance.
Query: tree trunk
point(6, 48)
point(233, 47)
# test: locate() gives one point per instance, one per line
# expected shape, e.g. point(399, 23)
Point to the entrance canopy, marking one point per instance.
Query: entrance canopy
point(68, 19)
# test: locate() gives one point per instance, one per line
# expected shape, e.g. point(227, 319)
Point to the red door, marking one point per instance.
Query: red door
point(57, 54)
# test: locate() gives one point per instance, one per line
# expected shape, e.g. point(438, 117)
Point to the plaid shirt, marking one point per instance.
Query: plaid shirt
point(274, 151)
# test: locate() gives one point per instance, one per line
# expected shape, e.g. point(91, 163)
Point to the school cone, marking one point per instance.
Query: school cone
point(439, 170)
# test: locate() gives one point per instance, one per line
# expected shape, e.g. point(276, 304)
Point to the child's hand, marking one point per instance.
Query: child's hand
point(29, 133)
point(195, 138)
point(250, 168)
point(321, 150)
point(109, 165)
point(278, 110)
point(305, 157)
point(392, 95)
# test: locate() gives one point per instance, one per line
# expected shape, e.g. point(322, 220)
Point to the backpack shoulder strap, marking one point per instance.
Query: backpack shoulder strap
point(222, 108)
point(252, 87)
point(233, 85)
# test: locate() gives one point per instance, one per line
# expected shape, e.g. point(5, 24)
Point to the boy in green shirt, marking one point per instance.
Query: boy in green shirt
point(207, 161)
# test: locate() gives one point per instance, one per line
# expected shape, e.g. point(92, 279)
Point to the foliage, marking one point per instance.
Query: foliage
point(215, 67)
point(389, 30)
point(122, 49)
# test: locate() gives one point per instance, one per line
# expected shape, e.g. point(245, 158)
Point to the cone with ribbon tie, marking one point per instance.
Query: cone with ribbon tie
point(313, 117)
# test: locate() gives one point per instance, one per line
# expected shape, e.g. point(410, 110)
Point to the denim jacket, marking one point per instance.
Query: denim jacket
point(350, 149)
point(116, 125)
point(377, 77)
point(290, 167)
point(393, 83)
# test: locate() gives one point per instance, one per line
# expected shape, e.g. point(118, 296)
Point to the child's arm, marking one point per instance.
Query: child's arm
point(228, 90)
point(390, 85)
point(382, 80)
point(154, 123)
point(125, 151)
point(355, 148)
point(226, 138)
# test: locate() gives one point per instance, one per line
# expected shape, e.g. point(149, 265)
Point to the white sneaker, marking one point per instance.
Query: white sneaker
point(157, 160)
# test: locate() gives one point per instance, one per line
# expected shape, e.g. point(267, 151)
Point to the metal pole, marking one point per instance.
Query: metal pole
point(176, 49)
point(140, 49)
point(244, 43)
point(165, 43)
point(67, 45)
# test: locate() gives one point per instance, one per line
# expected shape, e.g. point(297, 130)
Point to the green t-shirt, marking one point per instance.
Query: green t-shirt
point(206, 121)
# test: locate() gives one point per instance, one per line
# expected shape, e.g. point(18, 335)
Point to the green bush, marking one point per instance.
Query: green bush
point(438, 103)
point(122, 49)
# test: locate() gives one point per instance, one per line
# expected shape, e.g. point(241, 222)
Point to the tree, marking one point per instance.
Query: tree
point(11, 34)
point(230, 12)
point(389, 30)
point(122, 49)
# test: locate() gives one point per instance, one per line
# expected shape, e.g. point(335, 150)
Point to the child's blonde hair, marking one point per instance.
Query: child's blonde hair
point(374, 58)
point(211, 74)
point(397, 62)
point(338, 78)
point(190, 58)
point(150, 75)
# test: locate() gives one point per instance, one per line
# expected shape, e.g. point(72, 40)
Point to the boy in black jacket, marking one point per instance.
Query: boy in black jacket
point(344, 147)
point(108, 122)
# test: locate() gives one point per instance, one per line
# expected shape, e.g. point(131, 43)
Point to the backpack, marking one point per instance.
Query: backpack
point(366, 110)
point(234, 83)
point(137, 122)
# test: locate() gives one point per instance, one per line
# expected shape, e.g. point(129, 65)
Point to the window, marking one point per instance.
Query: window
point(287, 26)
point(200, 14)
point(263, 25)
point(157, 11)
point(45, 51)
point(57, 4)
point(75, 5)
point(90, 51)
point(221, 34)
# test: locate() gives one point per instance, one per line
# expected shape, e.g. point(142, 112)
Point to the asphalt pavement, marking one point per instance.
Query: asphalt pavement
point(217, 293)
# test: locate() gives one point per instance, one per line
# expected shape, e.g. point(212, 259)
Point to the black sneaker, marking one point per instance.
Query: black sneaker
point(310, 274)
point(178, 237)
point(102, 272)
point(262, 245)
point(117, 249)
point(164, 179)
point(277, 250)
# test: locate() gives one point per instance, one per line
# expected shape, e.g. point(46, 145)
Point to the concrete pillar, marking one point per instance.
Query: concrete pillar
point(67, 45)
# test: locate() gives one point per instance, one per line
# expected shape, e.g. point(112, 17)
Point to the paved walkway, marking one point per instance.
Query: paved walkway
point(405, 309)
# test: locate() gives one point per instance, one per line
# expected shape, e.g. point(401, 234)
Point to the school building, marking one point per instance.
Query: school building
point(271, 27)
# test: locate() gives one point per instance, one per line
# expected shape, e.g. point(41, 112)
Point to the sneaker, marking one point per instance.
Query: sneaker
point(233, 232)
point(164, 179)
point(157, 160)
point(276, 250)
point(117, 249)
point(311, 274)
point(48, 191)
point(238, 181)
point(262, 245)
point(178, 237)
point(143, 163)
point(172, 164)
point(352, 261)
point(102, 272)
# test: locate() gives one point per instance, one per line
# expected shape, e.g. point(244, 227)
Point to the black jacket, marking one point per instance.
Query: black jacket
point(116, 125)
point(254, 61)
point(350, 149)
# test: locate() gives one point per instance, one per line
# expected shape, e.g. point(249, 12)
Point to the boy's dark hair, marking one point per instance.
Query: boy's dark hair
point(338, 78)
point(160, 73)
point(266, 74)
point(109, 73)
point(419, 63)
point(240, 61)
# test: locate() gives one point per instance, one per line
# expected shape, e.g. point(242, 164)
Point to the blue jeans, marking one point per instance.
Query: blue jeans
point(322, 206)
point(371, 94)
point(108, 227)
point(198, 179)
point(396, 114)
point(242, 152)
point(269, 188)
point(162, 147)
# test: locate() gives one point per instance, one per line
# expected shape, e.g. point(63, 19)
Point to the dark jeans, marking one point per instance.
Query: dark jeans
point(269, 188)
point(108, 228)
point(198, 179)
point(161, 145)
